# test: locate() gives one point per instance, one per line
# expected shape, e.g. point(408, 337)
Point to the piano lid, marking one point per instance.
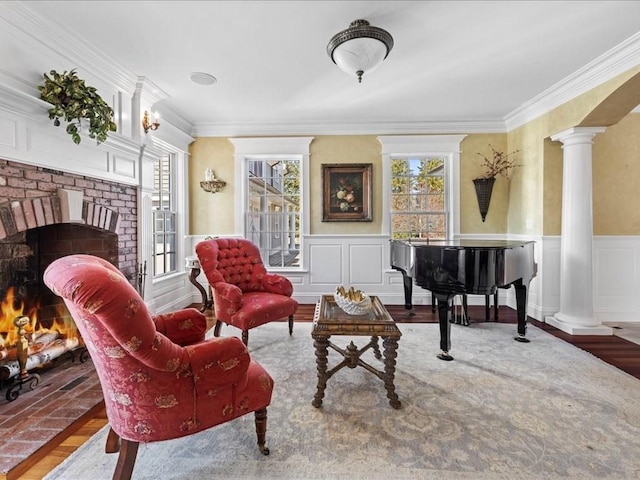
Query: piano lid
point(465, 243)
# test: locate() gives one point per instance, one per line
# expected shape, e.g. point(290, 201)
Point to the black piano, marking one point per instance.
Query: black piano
point(458, 267)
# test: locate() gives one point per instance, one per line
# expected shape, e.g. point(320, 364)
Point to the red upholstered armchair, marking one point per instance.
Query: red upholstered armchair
point(244, 294)
point(160, 378)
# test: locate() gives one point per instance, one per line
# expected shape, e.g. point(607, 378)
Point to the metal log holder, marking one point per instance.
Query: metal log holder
point(24, 377)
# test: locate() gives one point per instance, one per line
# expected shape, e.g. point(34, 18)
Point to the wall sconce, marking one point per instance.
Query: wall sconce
point(212, 184)
point(147, 124)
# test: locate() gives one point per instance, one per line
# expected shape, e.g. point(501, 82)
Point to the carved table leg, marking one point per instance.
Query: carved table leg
point(321, 343)
point(206, 301)
point(376, 348)
point(390, 353)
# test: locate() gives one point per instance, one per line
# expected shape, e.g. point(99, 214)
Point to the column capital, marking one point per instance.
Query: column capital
point(577, 134)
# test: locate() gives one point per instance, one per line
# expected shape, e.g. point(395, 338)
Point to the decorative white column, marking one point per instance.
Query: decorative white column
point(576, 315)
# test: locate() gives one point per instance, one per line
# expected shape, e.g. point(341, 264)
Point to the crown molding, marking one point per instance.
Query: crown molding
point(355, 128)
point(607, 66)
point(100, 66)
point(58, 41)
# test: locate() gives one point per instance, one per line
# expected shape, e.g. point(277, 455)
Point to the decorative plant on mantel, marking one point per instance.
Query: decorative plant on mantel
point(499, 164)
point(73, 100)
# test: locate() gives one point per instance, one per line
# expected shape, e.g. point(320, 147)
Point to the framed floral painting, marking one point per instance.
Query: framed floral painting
point(347, 192)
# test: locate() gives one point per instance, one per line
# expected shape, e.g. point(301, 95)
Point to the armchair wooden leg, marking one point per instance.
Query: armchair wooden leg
point(290, 324)
point(113, 442)
point(245, 337)
point(261, 430)
point(126, 460)
point(127, 457)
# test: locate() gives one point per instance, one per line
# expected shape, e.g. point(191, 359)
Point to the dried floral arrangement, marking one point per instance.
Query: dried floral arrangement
point(500, 163)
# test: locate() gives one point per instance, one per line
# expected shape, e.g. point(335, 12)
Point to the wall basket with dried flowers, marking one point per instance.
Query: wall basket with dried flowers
point(499, 164)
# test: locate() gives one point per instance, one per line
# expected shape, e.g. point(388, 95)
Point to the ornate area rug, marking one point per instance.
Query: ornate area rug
point(500, 410)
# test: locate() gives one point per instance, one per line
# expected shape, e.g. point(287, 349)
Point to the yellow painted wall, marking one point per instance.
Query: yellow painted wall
point(616, 179)
point(470, 168)
point(211, 213)
point(345, 149)
point(538, 194)
point(528, 204)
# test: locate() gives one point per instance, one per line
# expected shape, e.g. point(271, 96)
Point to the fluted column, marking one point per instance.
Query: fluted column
point(576, 315)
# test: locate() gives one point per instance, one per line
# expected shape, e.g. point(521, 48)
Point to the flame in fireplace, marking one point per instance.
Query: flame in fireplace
point(39, 330)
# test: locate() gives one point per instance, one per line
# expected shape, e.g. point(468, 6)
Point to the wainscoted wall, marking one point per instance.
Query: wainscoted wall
point(616, 278)
point(363, 261)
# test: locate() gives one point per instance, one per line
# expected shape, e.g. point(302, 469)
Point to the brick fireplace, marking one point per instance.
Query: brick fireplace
point(46, 214)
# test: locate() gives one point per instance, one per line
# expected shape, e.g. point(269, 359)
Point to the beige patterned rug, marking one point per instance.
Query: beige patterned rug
point(500, 410)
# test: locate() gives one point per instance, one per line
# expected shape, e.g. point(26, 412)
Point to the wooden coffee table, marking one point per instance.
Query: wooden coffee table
point(329, 319)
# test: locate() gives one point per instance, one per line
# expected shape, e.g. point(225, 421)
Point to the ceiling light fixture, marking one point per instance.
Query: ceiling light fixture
point(360, 48)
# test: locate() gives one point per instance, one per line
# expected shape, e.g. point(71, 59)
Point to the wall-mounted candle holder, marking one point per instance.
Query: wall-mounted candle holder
point(212, 184)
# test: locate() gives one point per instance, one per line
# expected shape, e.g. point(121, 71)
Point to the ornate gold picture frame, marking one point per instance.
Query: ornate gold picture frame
point(347, 192)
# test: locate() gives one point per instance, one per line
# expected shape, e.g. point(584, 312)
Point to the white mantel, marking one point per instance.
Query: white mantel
point(28, 136)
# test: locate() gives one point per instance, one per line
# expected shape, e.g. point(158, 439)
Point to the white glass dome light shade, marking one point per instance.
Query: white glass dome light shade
point(359, 55)
point(360, 48)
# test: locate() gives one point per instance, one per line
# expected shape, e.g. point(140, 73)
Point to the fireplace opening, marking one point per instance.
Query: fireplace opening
point(47, 329)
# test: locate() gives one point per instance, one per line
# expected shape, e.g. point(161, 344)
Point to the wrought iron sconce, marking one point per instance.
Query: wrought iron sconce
point(147, 124)
point(212, 184)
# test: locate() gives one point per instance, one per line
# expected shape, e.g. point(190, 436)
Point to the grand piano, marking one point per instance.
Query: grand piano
point(456, 267)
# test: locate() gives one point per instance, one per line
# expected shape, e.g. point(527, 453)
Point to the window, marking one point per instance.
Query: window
point(418, 200)
point(274, 208)
point(164, 217)
point(272, 217)
point(420, 179)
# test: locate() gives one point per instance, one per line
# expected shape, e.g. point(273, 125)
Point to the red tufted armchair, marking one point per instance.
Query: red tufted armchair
point(160, 378)
point(244, 294)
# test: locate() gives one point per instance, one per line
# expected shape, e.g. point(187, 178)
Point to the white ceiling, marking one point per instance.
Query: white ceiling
point(453, 61)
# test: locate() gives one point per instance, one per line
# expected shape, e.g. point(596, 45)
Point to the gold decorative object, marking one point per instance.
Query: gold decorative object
point(353, 302)
point(212, 184)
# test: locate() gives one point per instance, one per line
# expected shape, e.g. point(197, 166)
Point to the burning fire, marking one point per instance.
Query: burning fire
point(60, 325)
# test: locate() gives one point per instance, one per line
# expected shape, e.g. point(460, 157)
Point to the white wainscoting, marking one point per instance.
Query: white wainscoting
point(616, 278)
point(363, 261)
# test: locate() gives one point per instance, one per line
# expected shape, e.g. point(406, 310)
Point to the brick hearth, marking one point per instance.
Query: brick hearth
point(28, 424)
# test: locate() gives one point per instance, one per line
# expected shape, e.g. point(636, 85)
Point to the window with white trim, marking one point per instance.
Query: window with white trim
point(274, 208)
point(272, 216)
point(418, 198)
point(164, 216)
point(421, 186)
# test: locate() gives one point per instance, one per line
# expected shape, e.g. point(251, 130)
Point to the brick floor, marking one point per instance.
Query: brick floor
point(65, 392)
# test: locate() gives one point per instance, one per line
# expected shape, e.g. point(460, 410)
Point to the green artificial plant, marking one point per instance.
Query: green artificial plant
point(73, 100)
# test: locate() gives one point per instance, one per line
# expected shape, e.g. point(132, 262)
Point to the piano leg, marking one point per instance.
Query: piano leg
point(521, 305)
point(408, 292)
point(445, 326)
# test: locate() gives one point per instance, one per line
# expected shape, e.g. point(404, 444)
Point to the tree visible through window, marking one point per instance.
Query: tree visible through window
point(418, 200)
point(272, 218)
point(164, 217)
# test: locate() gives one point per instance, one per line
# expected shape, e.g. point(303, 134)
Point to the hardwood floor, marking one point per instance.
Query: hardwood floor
point(614, 350)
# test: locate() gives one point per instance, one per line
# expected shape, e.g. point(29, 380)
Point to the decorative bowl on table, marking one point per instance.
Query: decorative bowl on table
point(353, 302)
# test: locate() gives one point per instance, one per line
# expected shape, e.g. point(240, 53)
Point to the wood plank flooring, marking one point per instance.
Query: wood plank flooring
point(614, 350)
